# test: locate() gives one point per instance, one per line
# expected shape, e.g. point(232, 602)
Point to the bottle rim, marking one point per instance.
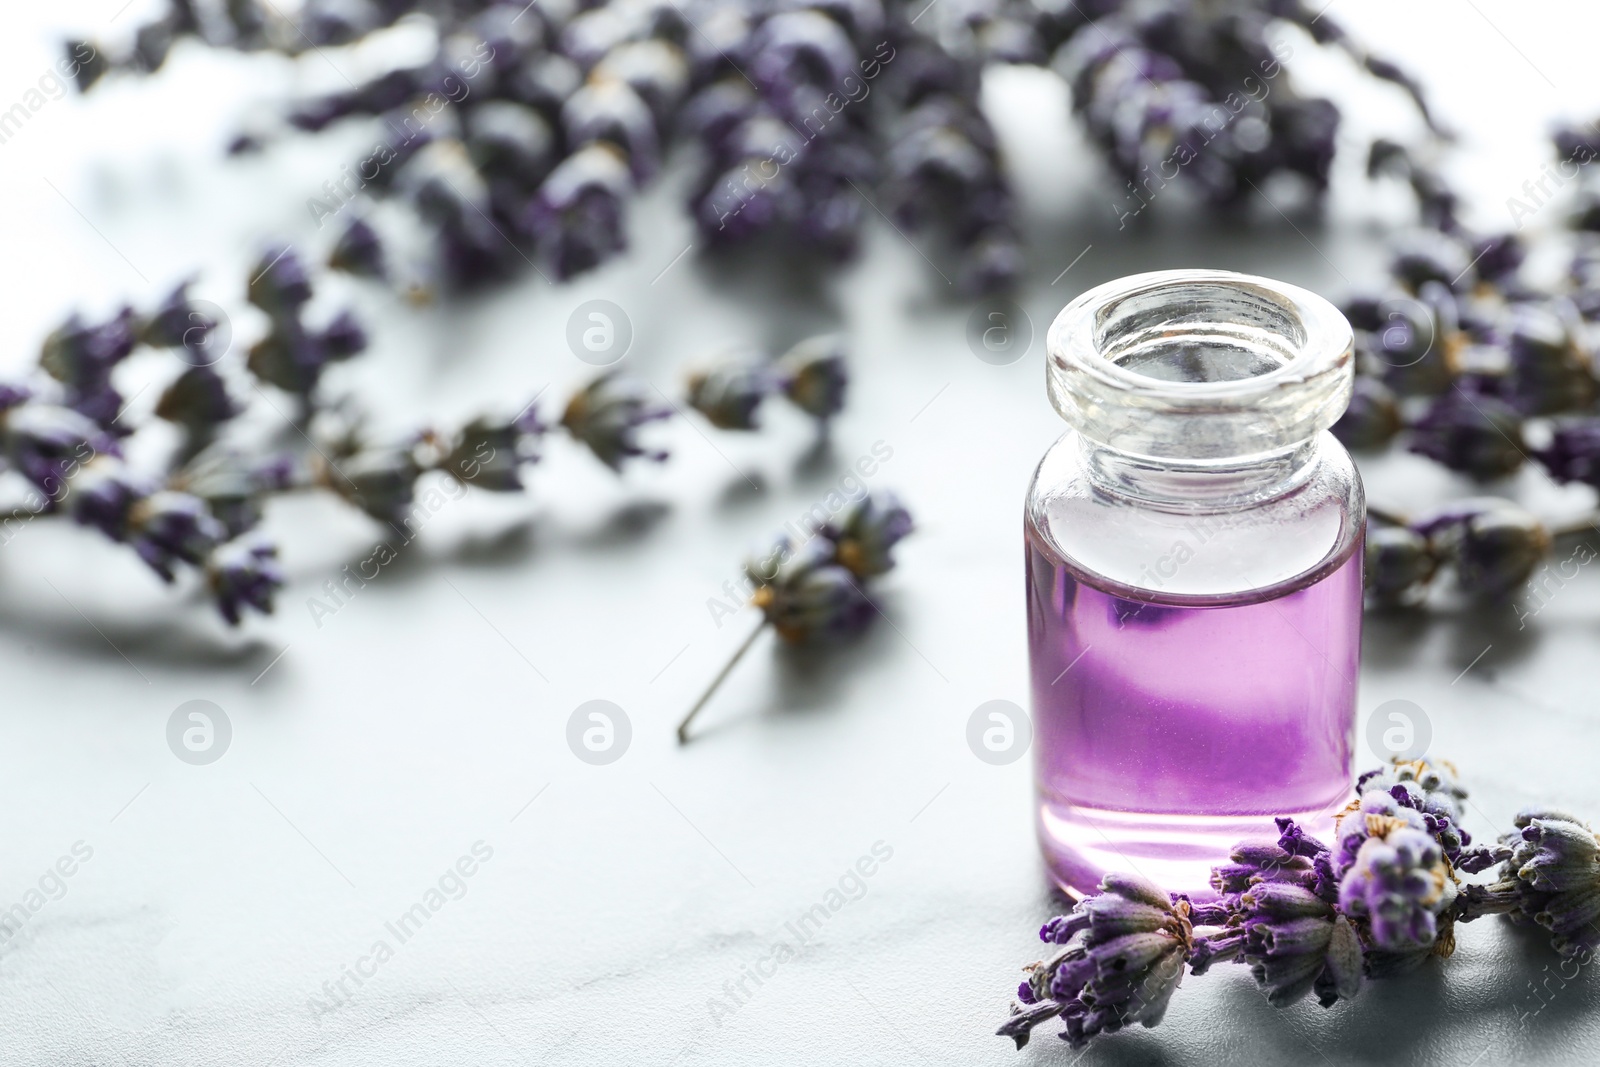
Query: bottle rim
point(1303, 394)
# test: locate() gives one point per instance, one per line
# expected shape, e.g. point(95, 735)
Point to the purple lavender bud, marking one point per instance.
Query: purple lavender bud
point(1584, 273)
point(576, 220)
point(607, 414)
point(1552, 879)
point(328, 23)
point(730, 395)
point(490, 453)
point(1122, 957)
point(1394, 876)
point(991, 264)
point(344, 336)
point(152, 43)
point(320, 112)
point(654, 69)
point(1478, 435)
point(1499, 257)
point(47, 444)
point(381, 483)
point(88, 63)
point(1493, 544)
point(814, 376)
point(1373, 417)
point(867, 531)
point(358, 251)
point(1550, 372)
point(511, 144)
point(232, 485)
point(1411, 345)
point(169, 527)
point(1252, 864)
point(811, 598)
point(197, 400)
point(1573, 454)
point(293, 358)
point(1398, 565)
point(103, 495)
point(244, 574)
point(610, 111)
point(82, 356)
point(177, 323)
point(279, 284)
point(715, 112)
point(798, 49)
point(593, 33)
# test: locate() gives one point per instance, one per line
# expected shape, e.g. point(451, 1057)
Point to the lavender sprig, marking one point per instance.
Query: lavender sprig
point(201, 513)
point(813, 376)
point(813, 591)
point(1307, 918)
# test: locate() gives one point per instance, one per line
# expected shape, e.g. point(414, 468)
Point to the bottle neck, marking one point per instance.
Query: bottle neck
point(1213, 485)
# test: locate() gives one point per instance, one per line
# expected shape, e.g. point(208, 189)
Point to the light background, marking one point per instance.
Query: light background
point(425, 714)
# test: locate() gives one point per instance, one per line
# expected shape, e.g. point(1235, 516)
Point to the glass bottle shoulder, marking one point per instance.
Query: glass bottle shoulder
point(1199, 553)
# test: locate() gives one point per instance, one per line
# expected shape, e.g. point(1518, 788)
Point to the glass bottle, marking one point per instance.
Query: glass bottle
point(1193, 575)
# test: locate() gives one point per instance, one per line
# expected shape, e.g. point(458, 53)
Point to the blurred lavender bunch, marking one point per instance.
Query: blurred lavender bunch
point(526, 133)
point(1471, 361)
point(1309, 918)
point(1196, 94)
point(813, 589)
point(64, 433)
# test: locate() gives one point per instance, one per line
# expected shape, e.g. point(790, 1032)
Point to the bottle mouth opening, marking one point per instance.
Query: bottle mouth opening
point(1199, 364)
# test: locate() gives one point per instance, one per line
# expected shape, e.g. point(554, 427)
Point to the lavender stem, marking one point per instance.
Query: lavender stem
point(683, 727)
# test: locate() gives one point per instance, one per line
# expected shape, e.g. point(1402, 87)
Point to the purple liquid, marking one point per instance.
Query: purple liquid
point(1166, 734)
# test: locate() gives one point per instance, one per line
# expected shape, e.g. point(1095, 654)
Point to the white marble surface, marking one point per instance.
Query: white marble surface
point(429, 713)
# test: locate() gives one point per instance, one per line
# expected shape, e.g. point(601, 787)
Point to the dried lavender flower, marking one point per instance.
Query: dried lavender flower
point(489, 453)
point(1121, 958)
point(1373, 418)
point(381, 482)
point(169, 527)
point(359, 251)
point(1479, 435)
point(729, 395)
point(810, 597)
point(1549, 875)
point(177, 322)
point(1573, 453)
point(82, 357)
point(814, 376)
point(607, 414)
point(1493, 544)
point(1398, 565)
point(813, 591)
point(865, 533)
point(244, 574)
point(198, 400)
point(46, 444)
point(279, 284)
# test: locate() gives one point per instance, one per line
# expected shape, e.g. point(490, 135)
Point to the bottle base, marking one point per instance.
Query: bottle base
point(1175, 851)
